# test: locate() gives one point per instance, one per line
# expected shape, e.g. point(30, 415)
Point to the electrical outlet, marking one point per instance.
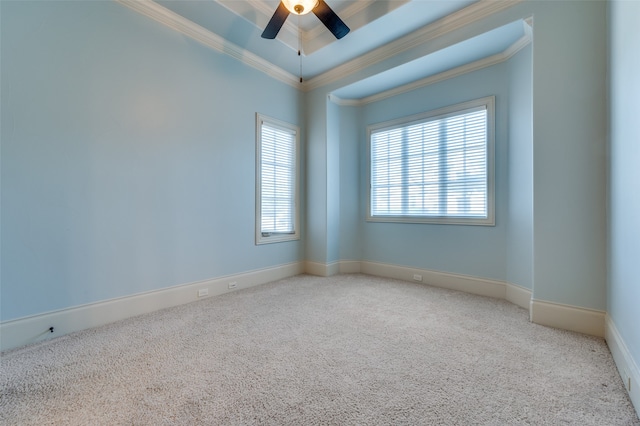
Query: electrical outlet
point(417, 277)
point(203, 292)
point(626, 378)
point(233, 284)
point(627, 382)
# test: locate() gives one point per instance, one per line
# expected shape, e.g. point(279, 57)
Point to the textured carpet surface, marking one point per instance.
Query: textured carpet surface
point(346, 350)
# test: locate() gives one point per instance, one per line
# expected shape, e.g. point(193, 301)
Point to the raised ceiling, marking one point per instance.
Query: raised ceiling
point(235, 26)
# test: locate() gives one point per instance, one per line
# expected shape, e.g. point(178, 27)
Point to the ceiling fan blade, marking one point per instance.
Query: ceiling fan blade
point(276, 22)
point(330, 19)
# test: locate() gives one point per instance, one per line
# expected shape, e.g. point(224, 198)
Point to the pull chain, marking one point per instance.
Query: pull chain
point(300, 47)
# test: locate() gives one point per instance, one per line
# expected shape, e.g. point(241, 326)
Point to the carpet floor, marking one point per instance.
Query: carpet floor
point(345, 350)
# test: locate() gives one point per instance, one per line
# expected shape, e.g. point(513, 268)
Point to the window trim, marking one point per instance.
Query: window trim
point(489, 103)
point(276, 237)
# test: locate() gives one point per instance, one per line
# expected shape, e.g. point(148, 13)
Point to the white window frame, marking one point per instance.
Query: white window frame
point(275, 237)
point(489, 220)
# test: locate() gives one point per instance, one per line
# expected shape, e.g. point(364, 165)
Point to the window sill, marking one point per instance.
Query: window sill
point(490, 221)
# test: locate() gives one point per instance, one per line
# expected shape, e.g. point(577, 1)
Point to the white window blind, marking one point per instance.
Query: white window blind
point(277, 181)
point(433, 167)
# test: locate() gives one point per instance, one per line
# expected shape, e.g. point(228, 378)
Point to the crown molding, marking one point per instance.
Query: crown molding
point(445, 75)
point(432, 79)
point(463, 17)
point(523, 41)
point(311, 37)
point(349, 11)
point(178, 23)
point(520, 44)
point(347, 14)
point(259, 13)
point(470, 14)
point(344, 102)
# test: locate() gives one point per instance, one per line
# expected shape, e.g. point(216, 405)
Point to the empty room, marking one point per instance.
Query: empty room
point(345, 212)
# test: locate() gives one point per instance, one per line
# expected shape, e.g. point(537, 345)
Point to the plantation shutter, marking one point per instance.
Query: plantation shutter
point(278, 174)
point(436, 167)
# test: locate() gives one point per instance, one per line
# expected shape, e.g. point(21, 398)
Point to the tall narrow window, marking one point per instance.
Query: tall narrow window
point(276, 181)
point(436, 167)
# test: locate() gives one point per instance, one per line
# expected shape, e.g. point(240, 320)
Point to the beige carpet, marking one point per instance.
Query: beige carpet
point(347, 350)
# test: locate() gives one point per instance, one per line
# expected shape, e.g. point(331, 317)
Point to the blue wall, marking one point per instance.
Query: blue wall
point(471, 250)
point(333, 182)
point(520, 172)
point(561, 253)
point(316, 241)
point(624, 195)
point(126, 157)
point(569, 152)
point(351, 163)
point(125, 166)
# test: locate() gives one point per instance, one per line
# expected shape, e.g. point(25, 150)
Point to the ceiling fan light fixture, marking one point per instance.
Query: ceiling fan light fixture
point(320, 8)
point(300, 7)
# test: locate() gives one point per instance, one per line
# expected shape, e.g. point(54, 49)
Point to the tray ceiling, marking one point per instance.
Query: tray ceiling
point(235, 26)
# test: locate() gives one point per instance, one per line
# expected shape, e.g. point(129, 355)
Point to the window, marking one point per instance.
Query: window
point(435, 167)
point(276, 181)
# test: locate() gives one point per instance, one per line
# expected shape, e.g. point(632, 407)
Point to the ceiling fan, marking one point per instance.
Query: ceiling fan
point(301, 7)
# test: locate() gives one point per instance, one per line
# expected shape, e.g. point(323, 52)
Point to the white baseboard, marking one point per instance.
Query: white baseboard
point(350, 267)
point(518, 295)
point(321, 269)
point(334, 268)
point(32, 329)
point(566, 317)
point(35, 328)
point(466, 283)
point(513, 293)
point(628, 369)
point(573, 318)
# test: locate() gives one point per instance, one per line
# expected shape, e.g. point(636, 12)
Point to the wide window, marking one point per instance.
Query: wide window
point(435, 167)
point(276, 181)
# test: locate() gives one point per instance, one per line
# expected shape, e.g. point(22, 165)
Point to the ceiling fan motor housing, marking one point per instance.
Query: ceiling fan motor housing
point(300, 7)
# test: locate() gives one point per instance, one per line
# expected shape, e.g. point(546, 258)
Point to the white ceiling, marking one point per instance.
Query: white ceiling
point(236, 25)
